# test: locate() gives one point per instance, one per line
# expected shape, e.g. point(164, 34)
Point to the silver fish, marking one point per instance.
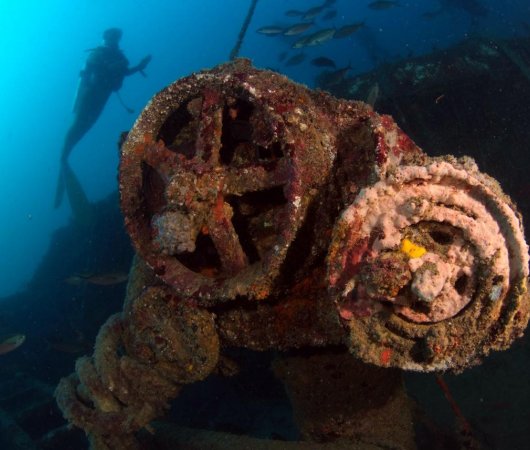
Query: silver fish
point(11, 343)
point(270, 30)
point(294, 13)
point(311, 13)
point(383, 4)
point(346, 30)
point(337, 76)
point(323, 61)
point(316, 38)
point(373, 94)
point(299, 28)
point(330, 15)
point(282, 56)
point(296, 59)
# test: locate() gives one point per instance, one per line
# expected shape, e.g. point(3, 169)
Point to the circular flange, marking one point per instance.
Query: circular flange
point(428, 267)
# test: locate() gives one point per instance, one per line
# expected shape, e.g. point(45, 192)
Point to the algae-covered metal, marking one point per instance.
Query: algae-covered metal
point(269, 216)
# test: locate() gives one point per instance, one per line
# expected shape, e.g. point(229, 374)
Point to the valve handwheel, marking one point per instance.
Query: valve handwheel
point(214, 187)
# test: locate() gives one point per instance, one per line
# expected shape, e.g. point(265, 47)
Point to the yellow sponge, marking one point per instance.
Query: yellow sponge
point(411, 249)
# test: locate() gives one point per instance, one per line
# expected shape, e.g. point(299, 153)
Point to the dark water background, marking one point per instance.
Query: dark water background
point(43, 47)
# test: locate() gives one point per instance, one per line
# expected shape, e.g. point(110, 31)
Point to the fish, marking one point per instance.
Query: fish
point(373, 94)
point(311, 13)
point(383, 4)
point(473, 7)
point(337, 76)
point(296, 59)
point(11, 343)
point(103, 279)
point(323, 61)
point(346, 30)
point(331, 14)
point(299, 28)
point(316, 38)
point(270, 30)
point(294, 13)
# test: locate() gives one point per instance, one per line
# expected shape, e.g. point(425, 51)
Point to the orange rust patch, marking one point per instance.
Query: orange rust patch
point(218, 212)
point(384, 357)
point(291, 314)
point(262, 294)
point(139, 149)
point(209, 272)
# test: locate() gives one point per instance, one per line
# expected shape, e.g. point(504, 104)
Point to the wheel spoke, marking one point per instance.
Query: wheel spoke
point(239, 181)
point(208, 143)
point(162, 160)
point(225, 238)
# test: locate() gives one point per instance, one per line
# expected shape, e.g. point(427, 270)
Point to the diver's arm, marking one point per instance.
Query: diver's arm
point(140, 67)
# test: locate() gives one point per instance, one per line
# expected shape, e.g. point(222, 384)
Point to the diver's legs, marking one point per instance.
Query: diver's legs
point(74, 134)
point(59, 190)
point(86, 114)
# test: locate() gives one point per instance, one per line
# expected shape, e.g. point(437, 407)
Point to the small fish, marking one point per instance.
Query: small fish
point(316, 38)
point(323, 61)
point(373, 94)
point(103, 279)
point(270, 30)
point(346, 30)
point(295, 60)
point(299, 28)
point(11, 343)
point(383, 4)
point(302, 42)
point(294, 13)
point(331, 14)
point(311, 13)
point(282, 56)
point(338, 75)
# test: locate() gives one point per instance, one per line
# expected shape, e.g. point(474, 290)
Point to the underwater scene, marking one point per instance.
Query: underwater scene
point(264, 224)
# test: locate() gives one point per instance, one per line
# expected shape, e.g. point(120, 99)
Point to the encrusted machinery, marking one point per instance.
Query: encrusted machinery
point(269, 216)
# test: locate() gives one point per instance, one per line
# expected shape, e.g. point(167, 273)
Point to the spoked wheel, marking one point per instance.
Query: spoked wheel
point(214, 186)
point(428, 268)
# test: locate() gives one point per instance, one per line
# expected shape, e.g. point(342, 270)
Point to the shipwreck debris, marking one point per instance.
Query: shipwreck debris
point(269, 216)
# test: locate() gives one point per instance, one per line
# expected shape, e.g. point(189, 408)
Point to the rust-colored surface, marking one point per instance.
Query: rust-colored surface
point(335, 395)
point(269, 216)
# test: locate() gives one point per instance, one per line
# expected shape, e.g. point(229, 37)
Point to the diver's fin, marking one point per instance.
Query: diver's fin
point(81, 207)
point(59, 191)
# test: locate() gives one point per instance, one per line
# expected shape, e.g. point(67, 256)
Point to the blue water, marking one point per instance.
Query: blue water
point(44, 45)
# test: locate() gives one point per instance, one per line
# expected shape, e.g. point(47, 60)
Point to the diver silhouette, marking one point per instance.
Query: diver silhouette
point(104, 72)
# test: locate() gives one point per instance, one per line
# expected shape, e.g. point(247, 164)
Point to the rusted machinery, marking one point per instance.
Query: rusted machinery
point(269, 216)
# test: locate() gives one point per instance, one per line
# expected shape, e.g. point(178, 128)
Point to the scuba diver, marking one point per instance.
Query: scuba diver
point(104, 71)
